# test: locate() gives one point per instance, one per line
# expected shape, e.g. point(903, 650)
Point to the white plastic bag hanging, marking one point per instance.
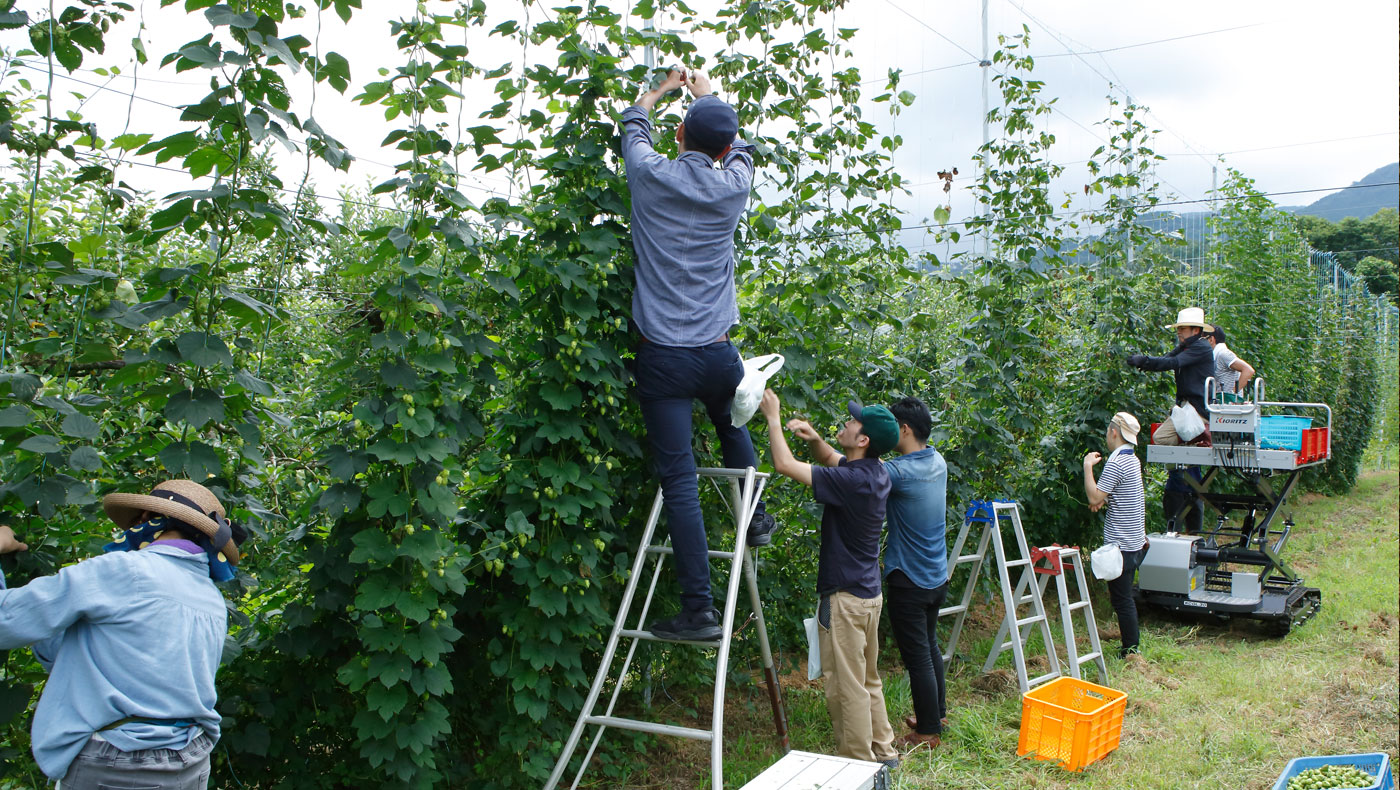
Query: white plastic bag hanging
point(757, 371)
point(1187, 422)
point(814, 649)
point(1107, 562)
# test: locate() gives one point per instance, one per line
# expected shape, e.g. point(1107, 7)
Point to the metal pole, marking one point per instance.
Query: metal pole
point(986, 65)
point(649, 52)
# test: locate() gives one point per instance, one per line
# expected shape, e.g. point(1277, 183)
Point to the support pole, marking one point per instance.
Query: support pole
point(986, 65)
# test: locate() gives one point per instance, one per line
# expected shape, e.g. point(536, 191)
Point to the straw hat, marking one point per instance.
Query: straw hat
point(1192, 316)
point(183, 500)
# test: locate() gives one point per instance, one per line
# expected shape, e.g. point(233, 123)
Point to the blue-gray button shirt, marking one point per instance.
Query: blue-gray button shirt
point(917, 543)
point(127, 634)
point(684, 214)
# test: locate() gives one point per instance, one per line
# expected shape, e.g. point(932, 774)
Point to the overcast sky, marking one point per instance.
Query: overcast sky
point(1299, 96)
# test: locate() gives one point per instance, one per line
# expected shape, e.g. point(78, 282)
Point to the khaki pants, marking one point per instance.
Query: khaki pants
point(854, 694)
point(1166, 432)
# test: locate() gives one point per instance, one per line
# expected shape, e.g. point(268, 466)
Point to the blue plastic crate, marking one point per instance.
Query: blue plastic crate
point(1282, 433)
point(1375, 763)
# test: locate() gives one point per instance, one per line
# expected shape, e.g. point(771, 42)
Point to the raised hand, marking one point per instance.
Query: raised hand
point(802, 430)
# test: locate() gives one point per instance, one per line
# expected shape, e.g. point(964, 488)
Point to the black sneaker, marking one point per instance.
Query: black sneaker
point(700, 626)
point(761, 529)
point(1124, 652)
point(893, 765)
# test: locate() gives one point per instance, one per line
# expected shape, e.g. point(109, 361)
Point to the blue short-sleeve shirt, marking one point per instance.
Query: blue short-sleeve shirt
point(917, 542)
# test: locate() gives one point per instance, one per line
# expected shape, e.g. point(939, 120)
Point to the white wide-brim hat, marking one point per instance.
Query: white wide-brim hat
point(1192, 316)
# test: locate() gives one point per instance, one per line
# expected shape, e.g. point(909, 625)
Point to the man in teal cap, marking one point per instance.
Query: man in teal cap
point(853, 486)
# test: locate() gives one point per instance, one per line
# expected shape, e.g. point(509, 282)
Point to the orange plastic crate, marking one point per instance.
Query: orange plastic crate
point(1070, 721)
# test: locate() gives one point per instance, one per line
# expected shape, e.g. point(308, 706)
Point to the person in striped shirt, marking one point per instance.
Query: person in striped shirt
point(1120, 488)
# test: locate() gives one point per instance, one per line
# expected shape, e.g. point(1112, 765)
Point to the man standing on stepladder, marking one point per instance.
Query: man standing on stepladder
point(684, 215)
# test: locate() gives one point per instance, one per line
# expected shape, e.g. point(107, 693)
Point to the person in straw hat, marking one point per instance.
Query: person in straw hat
point(131, 640)
point(1193, 363)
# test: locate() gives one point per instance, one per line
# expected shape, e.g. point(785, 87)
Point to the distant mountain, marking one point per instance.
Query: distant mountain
point(1360, 202)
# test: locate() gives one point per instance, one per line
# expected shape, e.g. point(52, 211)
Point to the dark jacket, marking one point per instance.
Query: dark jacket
point(1193, 363)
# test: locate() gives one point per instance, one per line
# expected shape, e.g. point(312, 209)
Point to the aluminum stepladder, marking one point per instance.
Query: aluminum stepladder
point(1060, 560)
point(990, 515)
point(745, 488)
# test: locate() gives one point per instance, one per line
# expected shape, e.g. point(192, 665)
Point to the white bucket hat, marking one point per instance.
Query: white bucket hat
point(1192, 316)
point(1128, 426)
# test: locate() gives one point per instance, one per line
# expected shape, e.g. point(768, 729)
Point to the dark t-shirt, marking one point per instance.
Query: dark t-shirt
point(854, 494)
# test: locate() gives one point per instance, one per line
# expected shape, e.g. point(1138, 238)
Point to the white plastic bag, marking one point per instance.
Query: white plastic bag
point(814, 649)
point(1187, 422)
point(1107, 562)
point(750, 390)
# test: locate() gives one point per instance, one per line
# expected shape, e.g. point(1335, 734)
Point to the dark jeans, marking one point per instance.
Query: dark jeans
point(1178, 494)
point(1120, 592)
point(914, 620)
point(669, 379)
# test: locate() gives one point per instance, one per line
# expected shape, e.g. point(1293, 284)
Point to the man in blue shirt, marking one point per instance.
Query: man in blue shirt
point(684, 215)
point(132, 640)
point(916, 567)
point(853, 487)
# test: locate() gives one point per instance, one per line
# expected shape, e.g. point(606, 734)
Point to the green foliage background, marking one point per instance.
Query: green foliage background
point(422, 407)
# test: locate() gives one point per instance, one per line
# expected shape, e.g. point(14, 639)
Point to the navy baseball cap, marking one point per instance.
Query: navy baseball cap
point(711, 124)
point(879, 424)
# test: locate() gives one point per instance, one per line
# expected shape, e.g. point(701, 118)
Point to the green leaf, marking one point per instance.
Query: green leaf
point(42, 443)
point(339, 498)
point(203, 349)
point(253, 384)
point(197, 407)
point(386, 701)
point(279, 48)
point(398, 375)
point(195, 460)
point(223, 15)
point(17, 416)
point(80, 426)
point(85, 459)
point(14, 699)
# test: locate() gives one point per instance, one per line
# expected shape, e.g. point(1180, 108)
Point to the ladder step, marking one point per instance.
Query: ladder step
point(628, 633)
point(967, 558)
point(714, 555)
point(959, 609)
point(1090, 657)
point(1047, 676)
point(1017, 563)
point(1035, 618)
point(1078, 605)
point(652, 727)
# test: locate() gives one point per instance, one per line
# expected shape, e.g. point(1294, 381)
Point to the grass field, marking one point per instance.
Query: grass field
point(1210, 706)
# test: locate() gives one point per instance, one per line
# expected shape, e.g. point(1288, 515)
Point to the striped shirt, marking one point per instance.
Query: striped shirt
point(1226, 378)
point(1126, 522)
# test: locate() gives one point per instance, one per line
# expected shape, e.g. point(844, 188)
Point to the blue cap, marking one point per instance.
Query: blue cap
point(710, 124)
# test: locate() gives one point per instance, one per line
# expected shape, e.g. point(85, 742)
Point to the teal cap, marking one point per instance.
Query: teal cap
point(879, 424)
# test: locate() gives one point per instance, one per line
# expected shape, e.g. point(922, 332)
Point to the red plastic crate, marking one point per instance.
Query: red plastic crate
point(1314, 445)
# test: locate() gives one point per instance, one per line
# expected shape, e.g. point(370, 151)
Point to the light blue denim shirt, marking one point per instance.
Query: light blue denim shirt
point(917, 514)
point(684, 214)
point(127, 634)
